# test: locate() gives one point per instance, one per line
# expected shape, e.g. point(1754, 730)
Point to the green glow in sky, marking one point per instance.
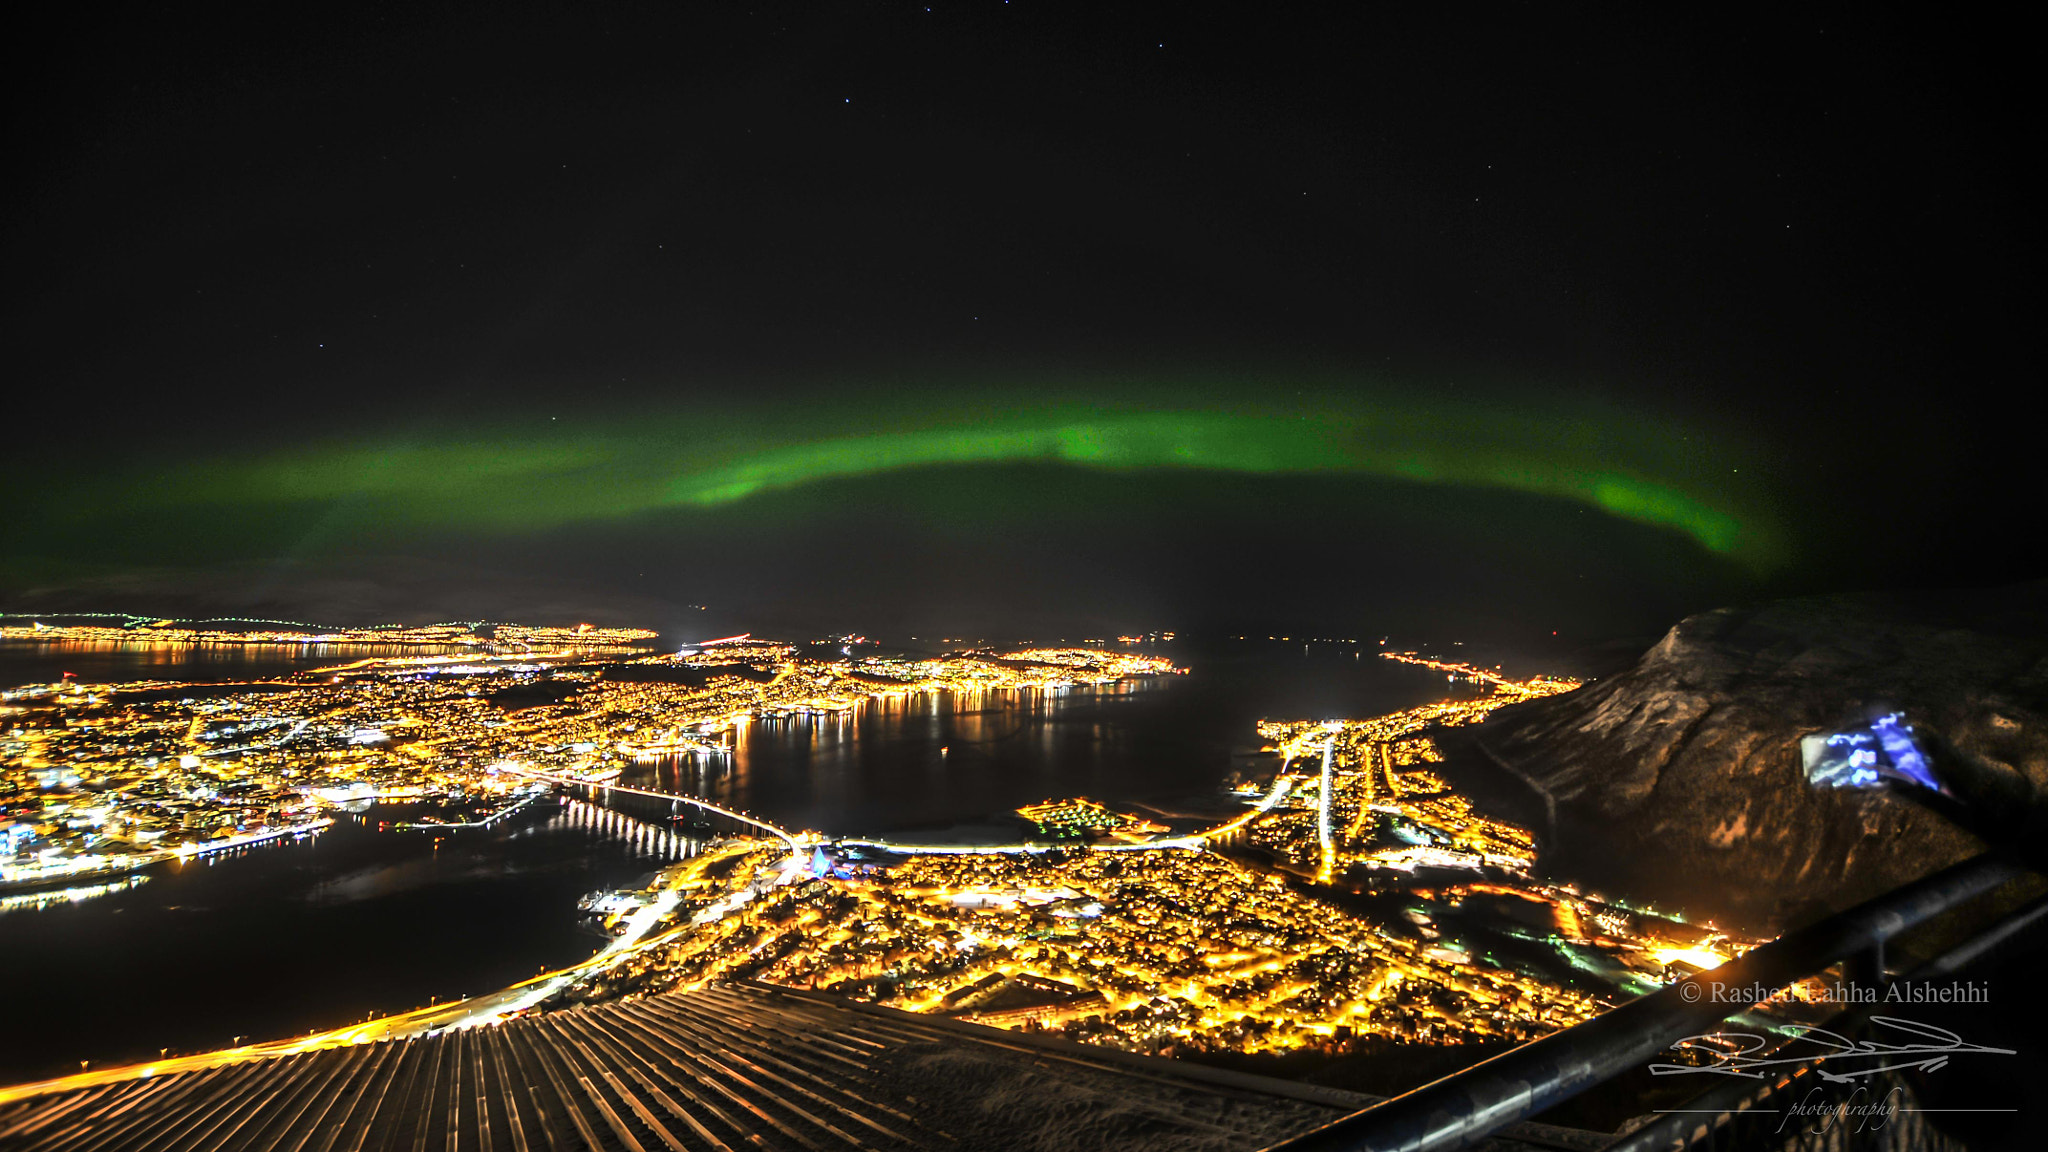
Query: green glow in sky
point(585, 470)
point(1220, 442)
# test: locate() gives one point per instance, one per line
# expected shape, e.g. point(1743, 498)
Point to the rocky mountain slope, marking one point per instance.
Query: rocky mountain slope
point(1681, 778)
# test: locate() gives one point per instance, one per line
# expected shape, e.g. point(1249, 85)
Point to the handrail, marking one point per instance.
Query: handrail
point(1464, 1108)
point(1677, 1130)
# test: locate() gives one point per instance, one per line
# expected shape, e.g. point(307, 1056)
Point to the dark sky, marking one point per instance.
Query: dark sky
point(279, 281)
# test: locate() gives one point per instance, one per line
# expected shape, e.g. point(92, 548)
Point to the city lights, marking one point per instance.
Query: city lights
point(1107, 927)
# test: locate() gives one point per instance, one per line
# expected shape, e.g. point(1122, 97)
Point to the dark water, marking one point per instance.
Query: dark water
point(317, 934)
point(98, 662)
point(935, 760)
point(295, 937)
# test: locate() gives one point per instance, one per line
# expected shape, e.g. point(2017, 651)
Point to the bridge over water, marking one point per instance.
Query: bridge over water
point(784, 834)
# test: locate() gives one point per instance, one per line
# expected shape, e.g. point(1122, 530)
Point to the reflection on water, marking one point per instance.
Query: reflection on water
point(110, 661)
point(919, 761)
point(279, 939)
point(77, 893)
point(652, 841)
point(940, 758)
point(648, 843)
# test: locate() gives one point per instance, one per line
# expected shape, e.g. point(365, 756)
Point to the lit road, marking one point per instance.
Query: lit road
point(1327, 845)
point(1282, 785)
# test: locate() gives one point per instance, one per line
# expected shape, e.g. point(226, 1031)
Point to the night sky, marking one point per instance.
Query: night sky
point(1016, 316)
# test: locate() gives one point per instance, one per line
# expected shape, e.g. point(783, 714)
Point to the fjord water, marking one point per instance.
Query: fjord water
point(358, 921)
point(958, 764)
point(115, 661)
point(286, 938)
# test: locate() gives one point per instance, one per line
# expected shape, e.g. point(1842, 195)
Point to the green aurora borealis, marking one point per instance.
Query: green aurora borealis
point(574, 469)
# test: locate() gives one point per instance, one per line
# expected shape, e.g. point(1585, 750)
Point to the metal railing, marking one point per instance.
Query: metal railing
point(1463, 1109)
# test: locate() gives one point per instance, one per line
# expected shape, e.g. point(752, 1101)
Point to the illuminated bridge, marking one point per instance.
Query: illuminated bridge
point(737, 1067)
point(673, 797)
point(650, 840)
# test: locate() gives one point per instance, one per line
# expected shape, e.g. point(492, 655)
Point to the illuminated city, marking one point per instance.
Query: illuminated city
point(1021, 577)
point(1111, 928)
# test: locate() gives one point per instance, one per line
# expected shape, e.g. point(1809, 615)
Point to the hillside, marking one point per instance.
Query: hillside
point(1680, 779)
